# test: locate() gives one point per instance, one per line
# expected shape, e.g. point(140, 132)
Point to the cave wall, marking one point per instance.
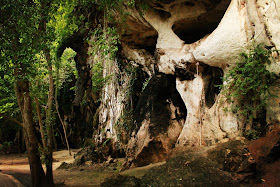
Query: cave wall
point(159, 118)
point(185, 46)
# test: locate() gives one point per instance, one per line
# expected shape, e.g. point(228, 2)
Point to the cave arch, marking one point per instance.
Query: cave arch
point(193, 29)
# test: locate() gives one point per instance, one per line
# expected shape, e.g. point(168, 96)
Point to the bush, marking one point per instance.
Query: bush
point(247, 84)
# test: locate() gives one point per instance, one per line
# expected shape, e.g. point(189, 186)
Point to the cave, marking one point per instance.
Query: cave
point(160, 115)
point(154, 103)
point(194, 33)
point(193, 29)
point(213, 79)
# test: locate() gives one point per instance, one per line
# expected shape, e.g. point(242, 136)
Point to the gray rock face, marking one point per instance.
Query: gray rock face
point(195, 42)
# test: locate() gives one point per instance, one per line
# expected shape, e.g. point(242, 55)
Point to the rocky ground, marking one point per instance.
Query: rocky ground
point(234, 163)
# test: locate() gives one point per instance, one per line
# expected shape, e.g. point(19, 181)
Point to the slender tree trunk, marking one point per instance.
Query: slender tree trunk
point(49, 125)
point(24, 101)
point(57, 109)
point(63, 126)
point(45, 5)
point(38, 110)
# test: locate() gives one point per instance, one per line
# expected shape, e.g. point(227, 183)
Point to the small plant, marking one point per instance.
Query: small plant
point(247, 84)
point(108, 140)
point(98, 81)
point(146, 83)
point(251, 134)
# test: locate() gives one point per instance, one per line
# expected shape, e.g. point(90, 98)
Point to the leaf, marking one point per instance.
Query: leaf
point(248, 82)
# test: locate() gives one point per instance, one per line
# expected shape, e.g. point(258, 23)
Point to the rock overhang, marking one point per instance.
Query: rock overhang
point(161, 41)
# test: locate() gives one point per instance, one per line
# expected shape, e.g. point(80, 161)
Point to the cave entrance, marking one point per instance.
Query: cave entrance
point(193, 34)
point(193, 29)
point(159, 100)
point(213, 77)
point(160, 105)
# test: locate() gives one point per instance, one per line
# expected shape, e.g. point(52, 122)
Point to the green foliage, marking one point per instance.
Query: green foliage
point(19, 34)
point(8, 101)
point(7, 106)
point(27, 33)
point(115, 10)
point(73, 18)
point(65, 77)
point(98, 81)
point(66, 68)
point(146, 82)
point(39, 80)
point(113, 4)
point(252, 134)
point(104, 48)
point(108, 140)
point(124, 124)
point(247, 83)
point(64, 24)
point(19, 44)
point(104, 42)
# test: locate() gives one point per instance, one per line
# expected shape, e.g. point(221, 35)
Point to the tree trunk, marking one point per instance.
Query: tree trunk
point(45, 7)
point(24, 101)
point(49, 125)
point(38, 110)
point(58, 113)
point(63, 126)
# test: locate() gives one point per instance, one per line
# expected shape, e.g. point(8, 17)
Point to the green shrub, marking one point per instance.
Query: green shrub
point(247, 84)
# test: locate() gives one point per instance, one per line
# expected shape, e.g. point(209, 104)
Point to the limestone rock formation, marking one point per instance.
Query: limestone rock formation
point(187, 46)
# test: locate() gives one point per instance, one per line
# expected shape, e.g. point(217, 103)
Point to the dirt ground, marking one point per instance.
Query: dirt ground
point(82, 176)
point(234, 163)
point(8, 181)
point(17, 166)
